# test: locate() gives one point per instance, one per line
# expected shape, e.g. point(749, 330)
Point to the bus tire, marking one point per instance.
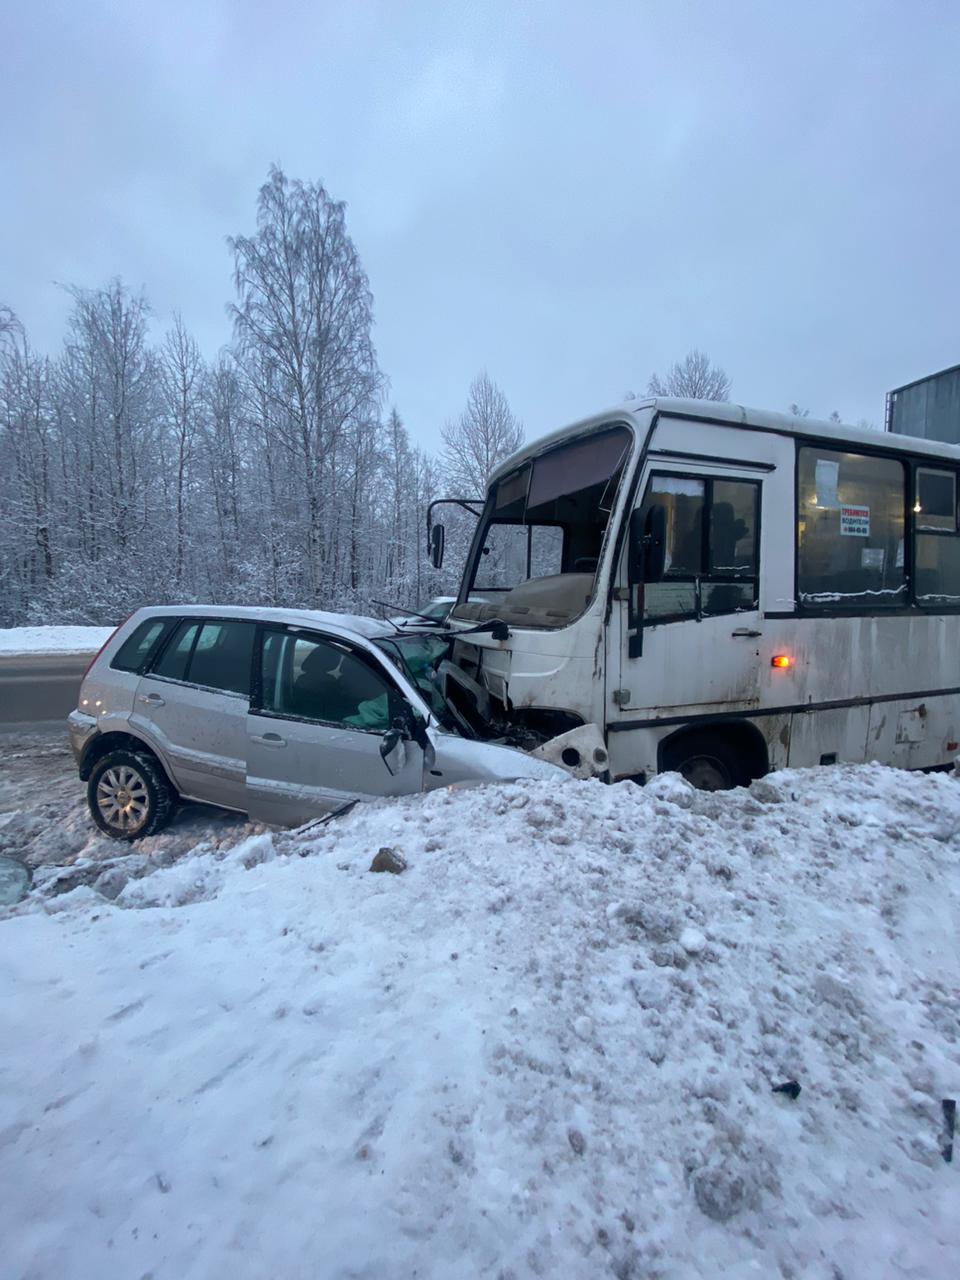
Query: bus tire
point(708, 761)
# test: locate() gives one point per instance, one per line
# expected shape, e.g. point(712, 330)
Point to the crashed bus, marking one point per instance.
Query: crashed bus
point(709, 589)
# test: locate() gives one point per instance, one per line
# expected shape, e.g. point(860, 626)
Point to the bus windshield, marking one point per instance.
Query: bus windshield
point(538, 544)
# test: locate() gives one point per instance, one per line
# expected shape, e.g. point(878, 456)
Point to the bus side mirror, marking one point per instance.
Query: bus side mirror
point(437, 538)
point(648, 544)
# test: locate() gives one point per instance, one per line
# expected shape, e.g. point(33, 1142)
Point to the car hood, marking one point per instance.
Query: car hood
point(464, 760)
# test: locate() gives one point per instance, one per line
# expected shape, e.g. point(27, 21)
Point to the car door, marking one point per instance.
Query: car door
point(316, 726)
point(192, 705)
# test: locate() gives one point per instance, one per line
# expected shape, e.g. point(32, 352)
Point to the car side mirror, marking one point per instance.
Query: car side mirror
point(407, 726)
point(389, 743)
point(648, 544)
point(437, 540)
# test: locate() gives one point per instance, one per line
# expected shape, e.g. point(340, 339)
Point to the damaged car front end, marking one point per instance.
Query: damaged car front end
point(470, 714)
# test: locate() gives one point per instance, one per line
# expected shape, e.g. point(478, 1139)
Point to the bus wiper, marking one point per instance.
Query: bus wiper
point(496, 626)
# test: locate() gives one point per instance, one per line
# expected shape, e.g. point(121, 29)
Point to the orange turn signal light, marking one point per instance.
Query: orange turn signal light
point(781, 660)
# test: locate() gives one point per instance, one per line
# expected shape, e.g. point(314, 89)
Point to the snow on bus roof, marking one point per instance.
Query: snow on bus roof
point(723, 413)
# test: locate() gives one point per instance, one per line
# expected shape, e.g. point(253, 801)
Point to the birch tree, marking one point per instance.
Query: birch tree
point(481, 438)
point(693, 378)
point(181, 372)
point(303, 318)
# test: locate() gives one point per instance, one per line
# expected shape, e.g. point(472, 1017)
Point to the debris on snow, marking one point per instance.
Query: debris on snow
point(388, 860)
point(790, 1087)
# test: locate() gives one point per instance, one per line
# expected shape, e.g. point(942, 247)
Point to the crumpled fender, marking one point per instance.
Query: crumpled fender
point(582, 752)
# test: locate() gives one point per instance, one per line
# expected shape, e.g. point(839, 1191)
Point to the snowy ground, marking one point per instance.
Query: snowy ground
point(44, 819)
point(53, 639)
point(546, 1049)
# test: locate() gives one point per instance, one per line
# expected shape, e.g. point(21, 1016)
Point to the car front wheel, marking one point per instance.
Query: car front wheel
point(129, 796)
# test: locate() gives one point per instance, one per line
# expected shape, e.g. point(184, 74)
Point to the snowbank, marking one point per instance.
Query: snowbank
point(548, 1048)
point(27, 640)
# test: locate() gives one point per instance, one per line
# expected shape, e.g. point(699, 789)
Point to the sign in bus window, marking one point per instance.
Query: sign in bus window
point(850, 528)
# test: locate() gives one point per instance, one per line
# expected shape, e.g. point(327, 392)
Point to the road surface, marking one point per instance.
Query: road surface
point(39, 687)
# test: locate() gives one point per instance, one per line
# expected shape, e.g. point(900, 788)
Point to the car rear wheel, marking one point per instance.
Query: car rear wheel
point(129, 796)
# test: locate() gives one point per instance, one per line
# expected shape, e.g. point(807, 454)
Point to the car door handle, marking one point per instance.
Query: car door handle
point(744, 631)
point(268, 739)
point(152, 699)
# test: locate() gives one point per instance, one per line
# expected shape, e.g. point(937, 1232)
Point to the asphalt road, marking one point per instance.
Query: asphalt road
point(40, 687)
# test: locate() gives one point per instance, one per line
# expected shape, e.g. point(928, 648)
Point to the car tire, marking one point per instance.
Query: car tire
point(707, 761)
point(129, 796)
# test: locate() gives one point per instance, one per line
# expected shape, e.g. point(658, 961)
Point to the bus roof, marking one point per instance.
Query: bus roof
point(722, 413)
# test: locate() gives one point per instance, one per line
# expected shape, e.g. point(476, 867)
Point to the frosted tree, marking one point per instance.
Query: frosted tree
point(302, 325)
point(181, 370)
point(9, 324)
point(485, 433)
point(26, 472)
point(694, 378)
point(113, 398)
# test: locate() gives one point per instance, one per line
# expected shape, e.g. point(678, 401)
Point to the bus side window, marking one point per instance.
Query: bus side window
point(711, 554)
point(937, 546)
point(850, 530)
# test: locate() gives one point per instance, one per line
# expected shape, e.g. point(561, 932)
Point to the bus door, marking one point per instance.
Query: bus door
point(689, 642)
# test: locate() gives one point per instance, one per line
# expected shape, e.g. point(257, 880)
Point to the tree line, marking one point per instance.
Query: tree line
point(137, 472)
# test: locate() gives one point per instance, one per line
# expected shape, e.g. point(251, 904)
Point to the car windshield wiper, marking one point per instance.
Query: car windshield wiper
point(408, 613)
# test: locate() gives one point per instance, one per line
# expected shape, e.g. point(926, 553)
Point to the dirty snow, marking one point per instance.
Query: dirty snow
point(547, 1048)
point(44, 821)
point(37, 640)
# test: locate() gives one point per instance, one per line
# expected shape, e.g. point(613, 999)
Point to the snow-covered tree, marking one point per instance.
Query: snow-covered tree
point(303, 329)
point(694, 378)
point(478, 441)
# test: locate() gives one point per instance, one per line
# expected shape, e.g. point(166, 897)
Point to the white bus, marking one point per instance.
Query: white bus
point(721, 591)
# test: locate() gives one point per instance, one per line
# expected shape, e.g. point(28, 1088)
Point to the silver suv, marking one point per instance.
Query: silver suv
point(279, 713)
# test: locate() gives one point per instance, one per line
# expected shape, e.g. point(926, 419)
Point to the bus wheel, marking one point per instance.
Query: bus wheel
point(706, 761)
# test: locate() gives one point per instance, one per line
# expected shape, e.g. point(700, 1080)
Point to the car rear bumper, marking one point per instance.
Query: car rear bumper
point(81, 728)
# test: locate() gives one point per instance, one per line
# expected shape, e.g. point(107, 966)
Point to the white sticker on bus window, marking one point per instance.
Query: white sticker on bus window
point(855, 521)
point(872, 558)
point(826, 481)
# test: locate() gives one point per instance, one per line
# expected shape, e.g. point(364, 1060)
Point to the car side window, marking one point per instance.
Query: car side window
point(217, 655)
point(222, 656)
point(139, 647)
point(172, 664)
point(312, 677)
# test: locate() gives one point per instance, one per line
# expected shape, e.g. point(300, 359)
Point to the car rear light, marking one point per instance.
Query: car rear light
point(781, 660)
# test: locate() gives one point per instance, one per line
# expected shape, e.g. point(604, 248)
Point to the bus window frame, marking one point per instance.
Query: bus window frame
point(637, 620)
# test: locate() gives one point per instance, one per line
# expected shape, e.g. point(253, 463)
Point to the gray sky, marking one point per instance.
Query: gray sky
point(571, 195)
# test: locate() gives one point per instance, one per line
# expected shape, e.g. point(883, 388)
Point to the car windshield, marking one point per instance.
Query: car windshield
point(417, 657)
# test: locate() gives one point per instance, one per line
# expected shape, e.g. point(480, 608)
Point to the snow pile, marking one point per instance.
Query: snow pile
point(547, 1048)
point(41, 640)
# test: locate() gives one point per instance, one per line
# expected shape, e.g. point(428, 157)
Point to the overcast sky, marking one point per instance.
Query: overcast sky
point(570, 195)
